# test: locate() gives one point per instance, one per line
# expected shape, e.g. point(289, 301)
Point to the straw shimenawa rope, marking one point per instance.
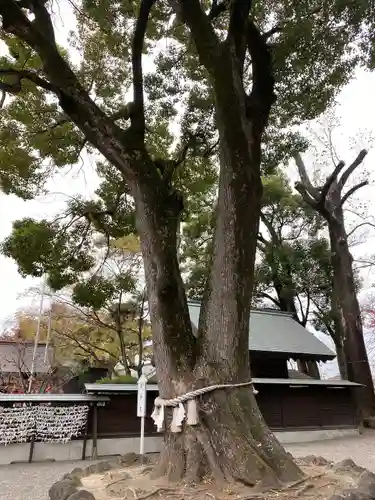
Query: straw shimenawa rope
point(178, 406)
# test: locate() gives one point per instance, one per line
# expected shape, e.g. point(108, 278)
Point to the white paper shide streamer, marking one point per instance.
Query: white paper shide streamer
point(16, 424)
point(58, 424)
point(51, 424)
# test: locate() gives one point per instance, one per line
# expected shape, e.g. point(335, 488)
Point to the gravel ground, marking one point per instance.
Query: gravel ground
point(361, 449)
point(31, 482)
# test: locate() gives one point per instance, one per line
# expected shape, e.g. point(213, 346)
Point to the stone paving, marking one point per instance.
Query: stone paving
point(32, 482)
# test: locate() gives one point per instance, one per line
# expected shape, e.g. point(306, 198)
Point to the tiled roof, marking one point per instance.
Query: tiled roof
point(276, 331)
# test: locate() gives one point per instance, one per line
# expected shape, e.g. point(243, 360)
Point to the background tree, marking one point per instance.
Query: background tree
point(80, 337)
point(218, 64)
point(103, 316)
point(329, 201)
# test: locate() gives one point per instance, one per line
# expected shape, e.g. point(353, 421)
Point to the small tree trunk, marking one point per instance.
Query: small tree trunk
point(140, 334)
point(302, 366)
point(120, 336)
point(313, 369)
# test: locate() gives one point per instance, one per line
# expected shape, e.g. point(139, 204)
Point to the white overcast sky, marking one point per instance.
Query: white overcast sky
point(356, 112)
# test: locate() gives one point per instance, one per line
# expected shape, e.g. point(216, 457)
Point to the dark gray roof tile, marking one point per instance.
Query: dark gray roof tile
point(276, 331)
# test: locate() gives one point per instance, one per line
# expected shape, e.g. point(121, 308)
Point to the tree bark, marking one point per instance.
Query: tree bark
point(341, 361)
point(338, 334)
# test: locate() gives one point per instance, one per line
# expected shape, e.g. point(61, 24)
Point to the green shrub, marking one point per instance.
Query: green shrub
point(124, 379)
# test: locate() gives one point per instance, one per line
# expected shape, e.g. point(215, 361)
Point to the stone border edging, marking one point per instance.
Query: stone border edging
point(365, 486)
point(68, 487)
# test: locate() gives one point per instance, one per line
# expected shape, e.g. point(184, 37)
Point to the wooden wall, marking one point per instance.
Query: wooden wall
point(283, 407)
point(313, 407)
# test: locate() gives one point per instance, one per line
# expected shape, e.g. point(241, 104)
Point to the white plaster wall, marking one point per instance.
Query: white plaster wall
point(290, 437)
point(119, 446)
point(73, 450)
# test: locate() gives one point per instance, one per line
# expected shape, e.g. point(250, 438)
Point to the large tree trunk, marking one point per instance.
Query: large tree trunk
point(357, 365)
point(232, 441)
point(328, 200)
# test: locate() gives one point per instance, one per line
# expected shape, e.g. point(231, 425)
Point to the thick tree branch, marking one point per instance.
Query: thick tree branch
point(262, 239)
point(22, 74)
point(352, 191)
point(239, 13)
point(305, 180)
point(204, 36)
point(312, 202)
point(278, 28)
point(330, 180)
point(217, 9)
point(303, 315)
point(262, 94)
point(122, 113)
point(117, 145)
point(348, 172)
point(274, 237)
point(42, 19)
point(269, 297)
point(2, 99)
point(308, 305)
point(138, 116)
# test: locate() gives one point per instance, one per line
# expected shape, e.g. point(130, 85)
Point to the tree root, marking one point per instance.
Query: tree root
point(305, 488)
point(116, 482)
point(151, 493)
point(301, 481)
point(133, 491)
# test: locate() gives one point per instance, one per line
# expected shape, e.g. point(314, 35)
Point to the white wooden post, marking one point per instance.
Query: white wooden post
point(141, 410)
